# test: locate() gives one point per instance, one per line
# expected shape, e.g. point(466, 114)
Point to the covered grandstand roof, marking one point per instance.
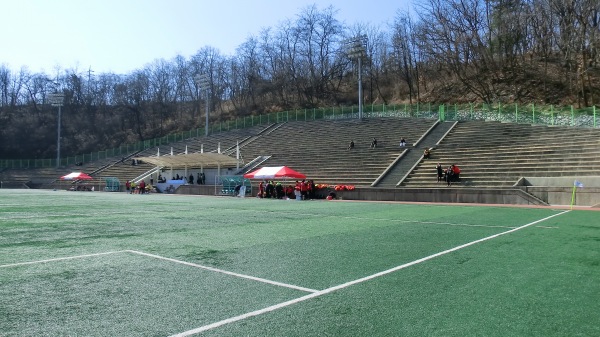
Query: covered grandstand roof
point(207, 160)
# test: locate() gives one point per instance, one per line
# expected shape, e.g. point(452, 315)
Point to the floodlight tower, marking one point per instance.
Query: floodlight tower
point(57, 99)
point(355, 49)
point(203, 81)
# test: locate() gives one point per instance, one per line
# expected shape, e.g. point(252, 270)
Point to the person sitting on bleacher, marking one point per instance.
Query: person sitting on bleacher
point(374, 143)
point(426, 153)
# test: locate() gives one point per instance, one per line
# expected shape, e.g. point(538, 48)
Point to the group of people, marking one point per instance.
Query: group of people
point(302, 190)
point(138, 188)
point(374, 143)
point(449, 175)
point(200, 179)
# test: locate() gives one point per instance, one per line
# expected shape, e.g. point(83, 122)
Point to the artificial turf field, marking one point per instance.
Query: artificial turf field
point(115, 264)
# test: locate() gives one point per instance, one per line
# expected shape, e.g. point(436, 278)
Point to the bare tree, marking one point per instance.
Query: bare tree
point(405, 53)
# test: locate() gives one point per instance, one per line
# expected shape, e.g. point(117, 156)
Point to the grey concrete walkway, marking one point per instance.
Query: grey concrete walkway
point(414, 154)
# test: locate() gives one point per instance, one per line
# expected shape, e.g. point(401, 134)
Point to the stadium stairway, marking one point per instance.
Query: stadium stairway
point(412, 156)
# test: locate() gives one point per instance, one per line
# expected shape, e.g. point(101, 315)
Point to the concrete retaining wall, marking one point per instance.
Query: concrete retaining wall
point(523, 195)
point(585, 196)
point(450, 195)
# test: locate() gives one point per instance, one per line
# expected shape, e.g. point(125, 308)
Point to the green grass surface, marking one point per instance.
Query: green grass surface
point(542, 280)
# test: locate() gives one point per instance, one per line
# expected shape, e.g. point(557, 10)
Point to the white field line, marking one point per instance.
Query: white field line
point(64, 215)
point(425, 222)
point(315, 215)
point(370, 219)
point(373, 219)
point(280, 284)
point(60, 259)
point(357, 281)
point(262, 211)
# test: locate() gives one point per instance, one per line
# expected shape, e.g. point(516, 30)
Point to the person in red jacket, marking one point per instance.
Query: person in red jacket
point(304, 190)
point(456, 171)
point(261, 189)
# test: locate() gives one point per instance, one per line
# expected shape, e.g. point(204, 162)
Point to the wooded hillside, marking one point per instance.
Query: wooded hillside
point(524, 51)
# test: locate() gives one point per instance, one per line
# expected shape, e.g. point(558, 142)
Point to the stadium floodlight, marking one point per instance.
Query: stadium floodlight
point(203, 81)
point(57, 99)
point(355, 49)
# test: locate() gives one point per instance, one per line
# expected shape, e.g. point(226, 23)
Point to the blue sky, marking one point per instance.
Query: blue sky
point(123, 35)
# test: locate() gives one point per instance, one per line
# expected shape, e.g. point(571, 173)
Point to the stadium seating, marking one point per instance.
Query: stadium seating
point(490, 154)
point(319, 148)
point(495, 154)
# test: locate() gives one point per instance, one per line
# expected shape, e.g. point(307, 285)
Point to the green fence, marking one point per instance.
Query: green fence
point(524, 114)
point(529, 114)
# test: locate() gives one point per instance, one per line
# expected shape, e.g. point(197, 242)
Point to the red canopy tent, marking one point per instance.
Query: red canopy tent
point(76, 176)
point(274, 172)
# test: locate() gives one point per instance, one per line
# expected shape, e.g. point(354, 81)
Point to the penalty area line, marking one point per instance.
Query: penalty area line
point(60, 259)
point(253, 278)
point(357, 281)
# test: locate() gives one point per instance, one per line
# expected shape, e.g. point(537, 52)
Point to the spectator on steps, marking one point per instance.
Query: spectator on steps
point(374, 143)
point(402, 142)
point(449, 175)
point(440, 172)
point(351, 146)
point(426, 153)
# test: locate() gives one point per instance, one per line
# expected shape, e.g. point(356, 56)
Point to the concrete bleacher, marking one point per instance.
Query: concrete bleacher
point(490, 154)
point(319, 148)
point(120, 167)
point(28, 177)
point(495, 154)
